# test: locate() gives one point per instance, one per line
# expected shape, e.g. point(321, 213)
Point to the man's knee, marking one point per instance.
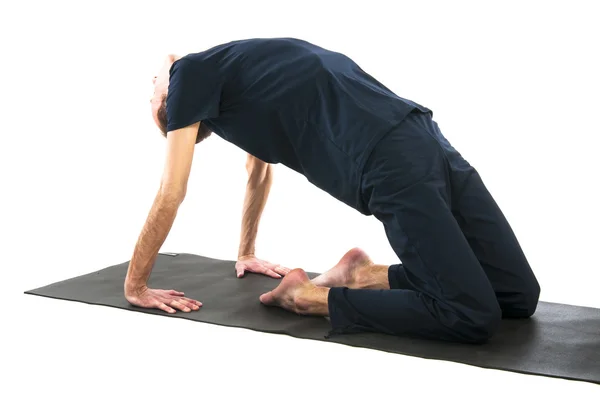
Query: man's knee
point(532, 297)
point(482, 325)
point(475, 323)
point(522, 304)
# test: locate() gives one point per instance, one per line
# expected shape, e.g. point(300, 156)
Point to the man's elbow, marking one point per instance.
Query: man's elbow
point(260, 178)
point(171, 196)
point(259, 170)
point(255, 165)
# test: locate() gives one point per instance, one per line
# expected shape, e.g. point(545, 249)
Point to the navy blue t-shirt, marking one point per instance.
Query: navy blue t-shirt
point(288, 101)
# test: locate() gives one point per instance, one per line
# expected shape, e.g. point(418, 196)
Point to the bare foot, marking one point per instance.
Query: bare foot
point(345, 273)
point(285, 295)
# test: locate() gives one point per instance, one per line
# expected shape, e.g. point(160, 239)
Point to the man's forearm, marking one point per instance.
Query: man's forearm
point(155, 231)
point(260, 177)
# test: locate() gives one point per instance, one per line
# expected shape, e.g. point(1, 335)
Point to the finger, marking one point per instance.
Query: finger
point(270, 273)
point(191, 301)
point(278, 268)
point(181, 306)
point(188, 304)
point(176, 293)
point(282, 270)
point(193, 304)
point(239, 270)
point(166, 308)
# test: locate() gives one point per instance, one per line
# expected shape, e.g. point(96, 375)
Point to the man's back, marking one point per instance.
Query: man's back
point(288, 101)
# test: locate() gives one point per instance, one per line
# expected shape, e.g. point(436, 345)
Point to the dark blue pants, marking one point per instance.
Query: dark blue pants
point(462, 267)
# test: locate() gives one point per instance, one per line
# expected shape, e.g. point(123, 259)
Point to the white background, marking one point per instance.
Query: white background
point(513, 86)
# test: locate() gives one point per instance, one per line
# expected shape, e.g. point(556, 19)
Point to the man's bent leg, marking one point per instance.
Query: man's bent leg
point(452, 298)
point(497, 248)
point(490, 235)
point(406, 186)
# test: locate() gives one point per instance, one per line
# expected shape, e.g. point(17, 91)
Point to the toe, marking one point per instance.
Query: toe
point(267, 298)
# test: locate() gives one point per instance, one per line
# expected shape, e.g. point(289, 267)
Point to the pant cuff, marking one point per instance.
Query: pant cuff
point(340, 311)
point(393, 271)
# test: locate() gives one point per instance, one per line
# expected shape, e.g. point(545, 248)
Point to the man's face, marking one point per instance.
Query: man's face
point(161, 85)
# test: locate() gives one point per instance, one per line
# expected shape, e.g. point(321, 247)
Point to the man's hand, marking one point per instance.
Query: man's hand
point(166, 300)
point(252, 264)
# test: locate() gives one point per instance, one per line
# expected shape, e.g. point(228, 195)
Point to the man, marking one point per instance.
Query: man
point(317, 112)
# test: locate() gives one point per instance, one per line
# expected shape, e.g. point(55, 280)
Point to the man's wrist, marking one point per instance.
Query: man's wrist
point(245, 256)
point(134, 288)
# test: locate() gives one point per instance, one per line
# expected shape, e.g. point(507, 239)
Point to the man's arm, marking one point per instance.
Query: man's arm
point(173, 186)
point(260, 179)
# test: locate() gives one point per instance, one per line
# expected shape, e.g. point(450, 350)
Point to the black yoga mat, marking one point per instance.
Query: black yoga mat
point(558, 341)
